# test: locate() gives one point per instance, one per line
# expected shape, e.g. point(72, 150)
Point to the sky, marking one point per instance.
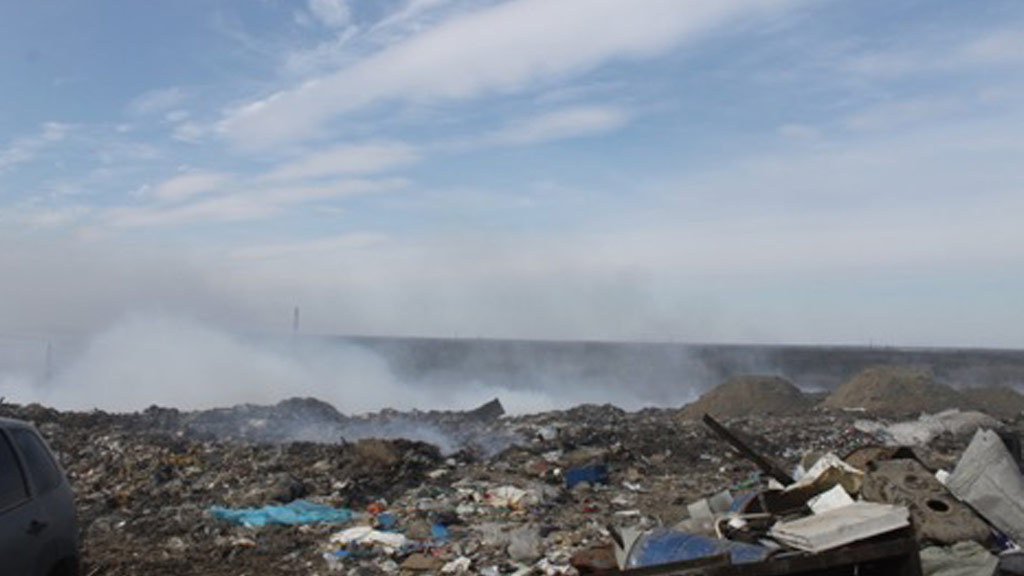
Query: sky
point(765, 171)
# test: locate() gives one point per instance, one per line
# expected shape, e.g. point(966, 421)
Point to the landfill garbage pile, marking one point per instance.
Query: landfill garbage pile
point(312, 420)
point(143, 491)
point(583, 490)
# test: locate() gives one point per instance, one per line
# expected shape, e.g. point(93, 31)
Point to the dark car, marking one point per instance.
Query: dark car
point(38, 530)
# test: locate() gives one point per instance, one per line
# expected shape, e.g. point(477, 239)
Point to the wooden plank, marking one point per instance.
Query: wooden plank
point(763, 462)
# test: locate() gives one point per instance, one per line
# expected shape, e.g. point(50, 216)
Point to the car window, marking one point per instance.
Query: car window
point(41, 467)
point(12, 483)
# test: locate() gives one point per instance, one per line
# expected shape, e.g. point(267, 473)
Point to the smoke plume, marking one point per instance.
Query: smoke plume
point(177, 362)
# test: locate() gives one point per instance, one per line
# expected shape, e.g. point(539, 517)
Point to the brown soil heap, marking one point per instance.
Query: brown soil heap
point(998, 401)
point(746, 395)
point(896, 390)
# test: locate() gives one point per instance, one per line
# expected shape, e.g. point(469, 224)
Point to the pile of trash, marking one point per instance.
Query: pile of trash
point(877, 510)
point(312, 420)
point(290, 489)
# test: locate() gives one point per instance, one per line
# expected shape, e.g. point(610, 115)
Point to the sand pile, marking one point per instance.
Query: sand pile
point(745, 395)
point(894, 390)
point(998, 401)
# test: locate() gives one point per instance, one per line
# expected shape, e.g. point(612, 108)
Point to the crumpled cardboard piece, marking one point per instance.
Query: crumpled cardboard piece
point(987, 478)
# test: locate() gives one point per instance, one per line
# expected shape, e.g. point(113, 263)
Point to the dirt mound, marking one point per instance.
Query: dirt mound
point(746, 395)
point(998, 401)
point(896, 390)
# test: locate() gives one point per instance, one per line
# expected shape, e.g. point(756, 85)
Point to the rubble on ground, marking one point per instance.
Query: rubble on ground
point(247, 490)
point(928, 426)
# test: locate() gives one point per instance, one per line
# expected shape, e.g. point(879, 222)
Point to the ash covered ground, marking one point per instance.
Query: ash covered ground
point(496, 485)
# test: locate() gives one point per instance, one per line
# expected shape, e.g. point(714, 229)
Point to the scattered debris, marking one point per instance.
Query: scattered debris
point(584, 490)
point(487, 412)
point(827, 471)
point(928, 426)
point(368, 536)
point(835, 497)
point(419, 562)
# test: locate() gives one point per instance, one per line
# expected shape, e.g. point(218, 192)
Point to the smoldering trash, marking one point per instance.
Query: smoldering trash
point(299, 488)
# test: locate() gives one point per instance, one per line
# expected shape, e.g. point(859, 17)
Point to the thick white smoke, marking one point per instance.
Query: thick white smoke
point(175, 362)
point(170, 361)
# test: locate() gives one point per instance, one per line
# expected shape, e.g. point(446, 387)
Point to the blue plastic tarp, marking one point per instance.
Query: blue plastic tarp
point(297, 512)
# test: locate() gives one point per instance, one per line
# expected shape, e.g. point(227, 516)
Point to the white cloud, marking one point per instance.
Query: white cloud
point(993, 48)
point(347, 159)
point(508, 47)
point(312, 249)
point(233, 208)
point(189, 132)
point(1001, 47)
point(54, 132)
point(326, 56)
point(26, 149)
point(56, 217)
point(909, 209)
point(409, 13)
point(157, 101)
point(897, 114)
point(350, 43)
point(186, 186)
point(722, 279)
point(253, 204)
point(835, 242)
point(330, 13)
point(800, 132)
point(886, 64)
point(561, 124)
point(204, 197)
point(42, 213)
point(176, 116)
point(126, 152)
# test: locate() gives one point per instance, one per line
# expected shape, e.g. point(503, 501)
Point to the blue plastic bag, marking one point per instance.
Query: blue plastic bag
point(666, 546)
point(386, 521)
point(297, 512)
point(439, 532)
